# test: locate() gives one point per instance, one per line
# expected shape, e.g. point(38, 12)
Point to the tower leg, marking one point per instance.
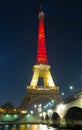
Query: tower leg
point(34, 79)
point(49, 81)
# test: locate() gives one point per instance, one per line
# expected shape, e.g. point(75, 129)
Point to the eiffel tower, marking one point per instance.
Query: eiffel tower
point(41, 70)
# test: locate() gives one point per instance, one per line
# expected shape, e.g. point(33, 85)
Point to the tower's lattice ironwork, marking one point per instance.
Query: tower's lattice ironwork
point(41, 70)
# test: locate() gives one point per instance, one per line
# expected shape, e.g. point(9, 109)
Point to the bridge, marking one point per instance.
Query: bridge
point(67, 111)
point(69, 108)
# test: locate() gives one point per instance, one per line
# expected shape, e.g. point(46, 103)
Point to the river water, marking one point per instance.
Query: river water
point(29, 127)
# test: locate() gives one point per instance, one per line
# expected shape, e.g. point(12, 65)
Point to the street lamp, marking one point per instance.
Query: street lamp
point(62, 93)
point(31, 112)
point(49, 103)
point(71, 88)
point(52, 101)
point(45, 107)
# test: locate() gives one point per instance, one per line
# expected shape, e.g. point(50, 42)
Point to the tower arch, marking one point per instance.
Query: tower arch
point(55, 116)
point(74, 113)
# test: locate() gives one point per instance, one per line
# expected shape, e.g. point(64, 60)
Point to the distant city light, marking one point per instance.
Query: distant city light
point(7, 115)
point(6, 126)
point(15, 115)
point(23, 111)
point(28, 115)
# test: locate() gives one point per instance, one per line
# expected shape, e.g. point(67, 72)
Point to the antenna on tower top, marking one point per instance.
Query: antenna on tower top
point(41, 7)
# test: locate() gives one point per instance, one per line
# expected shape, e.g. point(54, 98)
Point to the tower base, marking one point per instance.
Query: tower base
point(37, 94)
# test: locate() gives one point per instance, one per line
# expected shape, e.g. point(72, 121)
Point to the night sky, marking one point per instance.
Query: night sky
point(18, 45)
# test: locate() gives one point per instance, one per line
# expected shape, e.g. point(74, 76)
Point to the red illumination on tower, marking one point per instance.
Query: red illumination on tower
point(41, 50)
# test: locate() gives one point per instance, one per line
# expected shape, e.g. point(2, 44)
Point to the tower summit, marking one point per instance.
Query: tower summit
point(41, 50)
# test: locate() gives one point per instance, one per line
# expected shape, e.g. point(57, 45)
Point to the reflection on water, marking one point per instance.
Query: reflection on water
point(28, 127)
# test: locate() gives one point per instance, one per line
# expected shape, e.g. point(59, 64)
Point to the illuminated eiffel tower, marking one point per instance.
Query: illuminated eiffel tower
point(41, 70)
